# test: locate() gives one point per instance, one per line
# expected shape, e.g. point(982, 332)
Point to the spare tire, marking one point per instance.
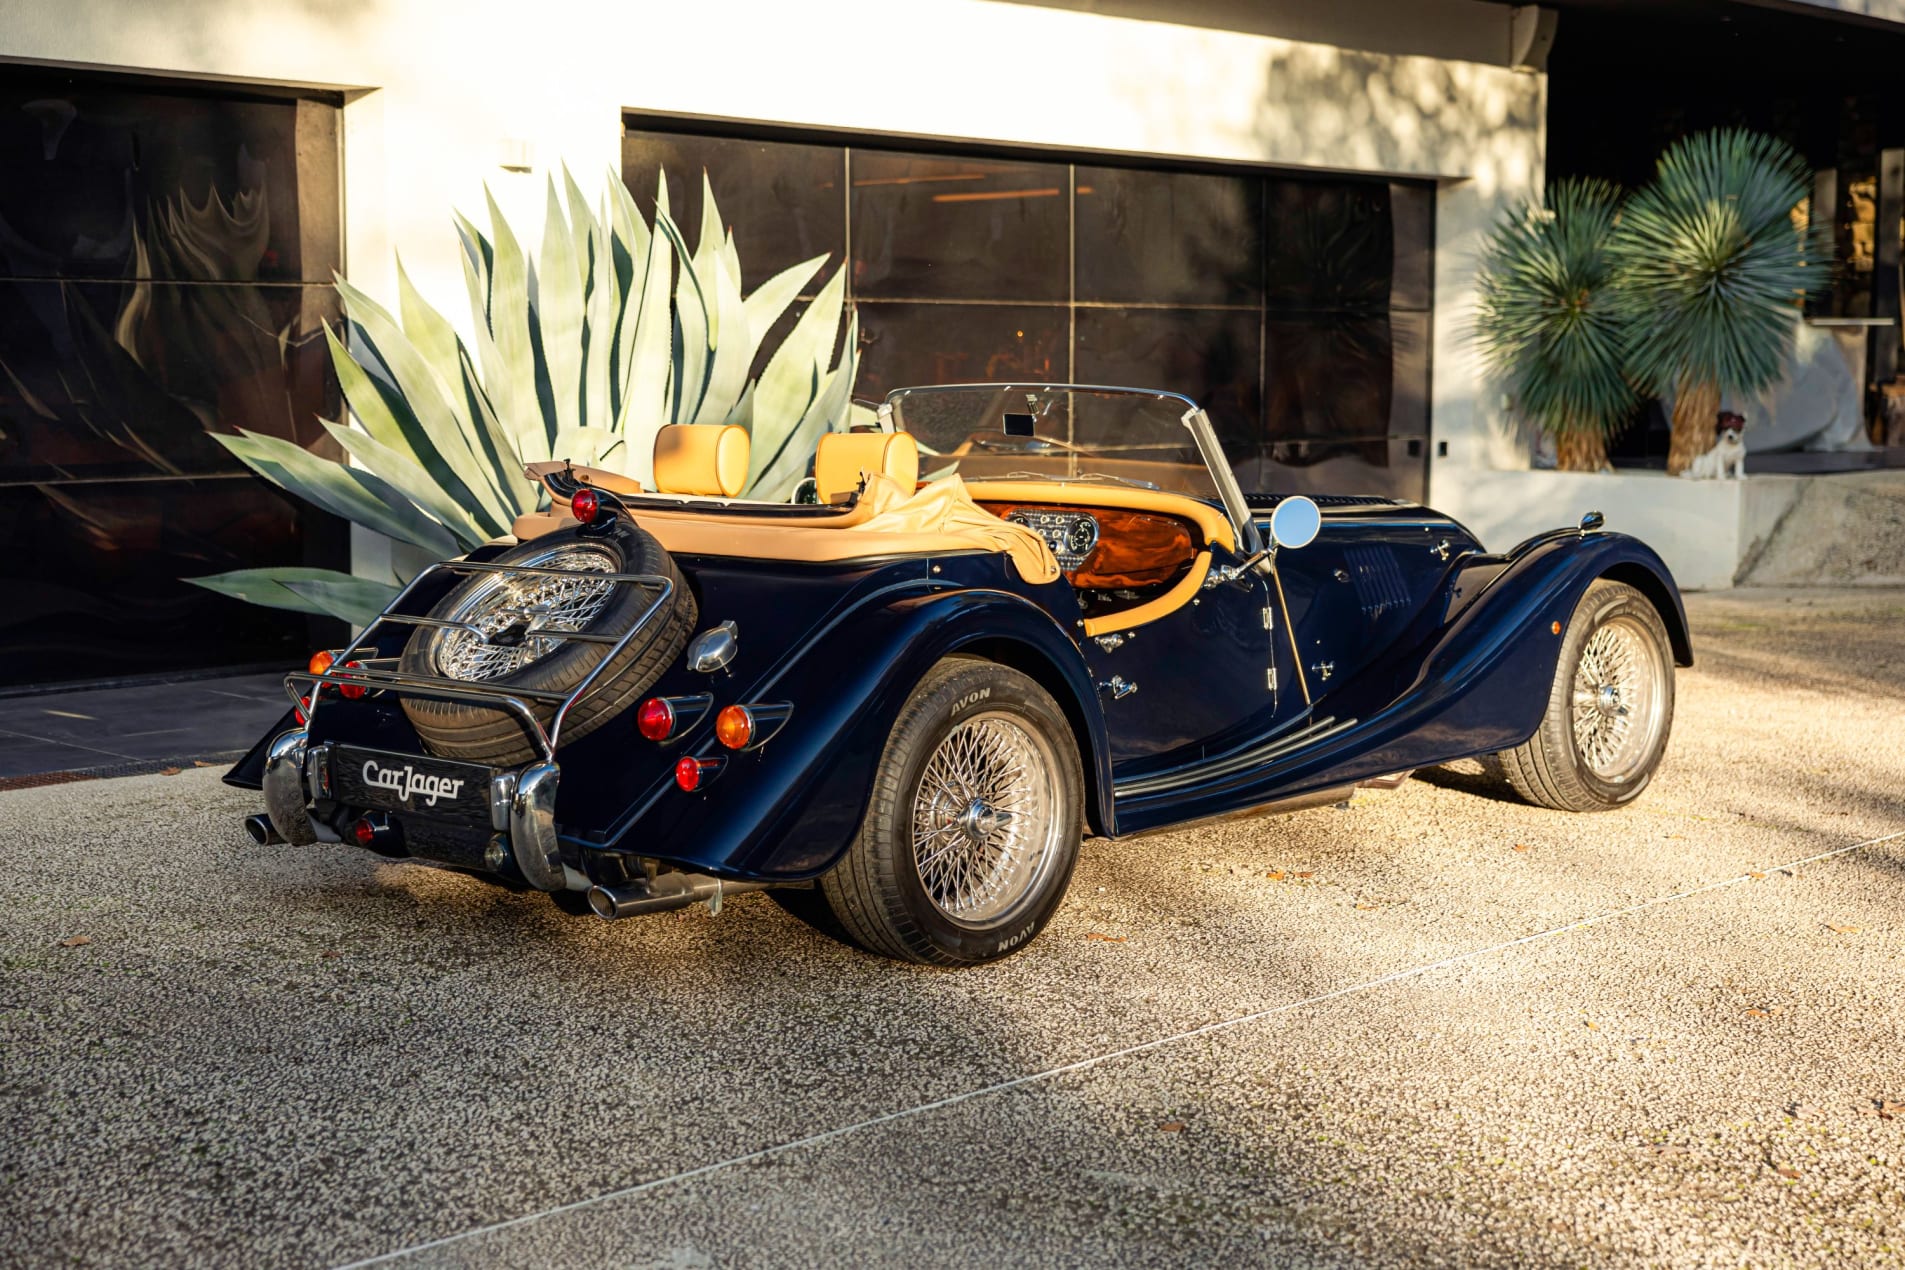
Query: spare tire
point(510, 610)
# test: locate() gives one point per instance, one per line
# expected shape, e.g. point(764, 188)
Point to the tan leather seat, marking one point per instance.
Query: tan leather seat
point(844, 459)
point(702, 459)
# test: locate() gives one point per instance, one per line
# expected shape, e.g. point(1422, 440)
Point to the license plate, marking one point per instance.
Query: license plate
point(411, 783)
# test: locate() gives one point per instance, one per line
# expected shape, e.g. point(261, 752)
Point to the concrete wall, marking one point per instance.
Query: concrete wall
point(440, 88)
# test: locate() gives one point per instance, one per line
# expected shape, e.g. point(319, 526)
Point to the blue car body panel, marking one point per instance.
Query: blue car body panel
point(1435, 651)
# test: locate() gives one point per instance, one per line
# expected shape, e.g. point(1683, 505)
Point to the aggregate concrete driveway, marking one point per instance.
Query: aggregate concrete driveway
point(1431, 1027)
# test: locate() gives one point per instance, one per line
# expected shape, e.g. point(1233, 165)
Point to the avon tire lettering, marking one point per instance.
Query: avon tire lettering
point(1013, 941)
point(970, 700)
point(406, 782)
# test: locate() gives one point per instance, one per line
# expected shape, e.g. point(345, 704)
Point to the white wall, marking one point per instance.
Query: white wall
point(440, 85)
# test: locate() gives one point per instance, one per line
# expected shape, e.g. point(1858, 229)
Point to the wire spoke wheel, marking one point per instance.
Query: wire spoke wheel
point(501, 621)
point(983, 818)
point(1616, 700)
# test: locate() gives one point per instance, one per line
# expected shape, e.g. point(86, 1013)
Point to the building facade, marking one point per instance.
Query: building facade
point(1272, 206)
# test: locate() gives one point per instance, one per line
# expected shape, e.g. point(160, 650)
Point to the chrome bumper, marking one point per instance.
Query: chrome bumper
point(522, 807)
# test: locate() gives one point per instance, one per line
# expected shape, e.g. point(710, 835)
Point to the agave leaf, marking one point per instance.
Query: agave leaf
point(629, 253)
point(355, 600)
point(435, 339)
point(477, 257)
point(771, 298)
point(559, 314)
point(733, 350)
point(647, 391)
point(351, 493)
point(424, 402)
point(730, 256)
point(592, 447)
point(268, 587)
point(789, 465)
point(408, 477)
point(509, 318)
point(691, 318)
point(598, 408)
point(792, 378)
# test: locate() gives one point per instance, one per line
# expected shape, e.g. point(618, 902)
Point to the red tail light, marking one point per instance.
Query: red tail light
point(364, 831)
point(587, 505)
point(352, 691)
point(655, 719)
point(302, 711)
point(691, 773)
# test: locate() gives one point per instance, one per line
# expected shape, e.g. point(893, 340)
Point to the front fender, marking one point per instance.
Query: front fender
point(786, 811)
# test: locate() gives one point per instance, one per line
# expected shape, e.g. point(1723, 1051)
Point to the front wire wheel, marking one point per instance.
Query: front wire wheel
point(1609, 711)
point(974, 823)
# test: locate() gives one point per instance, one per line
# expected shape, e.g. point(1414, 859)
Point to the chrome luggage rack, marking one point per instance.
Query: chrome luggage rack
point(382, 673)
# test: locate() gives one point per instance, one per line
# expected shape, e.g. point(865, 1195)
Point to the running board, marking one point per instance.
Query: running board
point(1241, 761)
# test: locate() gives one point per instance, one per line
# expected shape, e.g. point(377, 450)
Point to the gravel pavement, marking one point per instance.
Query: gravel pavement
point(1429, 1027)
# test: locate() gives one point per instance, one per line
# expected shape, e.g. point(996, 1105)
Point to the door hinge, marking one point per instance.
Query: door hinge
point(1269, 618)
point(1270, 677)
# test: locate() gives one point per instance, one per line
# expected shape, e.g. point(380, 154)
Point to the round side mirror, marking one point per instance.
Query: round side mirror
point(1295, 522)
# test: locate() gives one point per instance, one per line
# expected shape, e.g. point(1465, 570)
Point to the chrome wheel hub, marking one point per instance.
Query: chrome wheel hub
point(501, 621)
point(1619, 693)
point(985, 819)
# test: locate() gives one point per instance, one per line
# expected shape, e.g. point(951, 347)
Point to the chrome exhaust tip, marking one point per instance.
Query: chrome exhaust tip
point(262, 832)
point(663, 893)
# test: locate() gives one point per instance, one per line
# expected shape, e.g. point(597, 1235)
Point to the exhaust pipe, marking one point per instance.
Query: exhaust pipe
point(262, 832)
point(664, 892)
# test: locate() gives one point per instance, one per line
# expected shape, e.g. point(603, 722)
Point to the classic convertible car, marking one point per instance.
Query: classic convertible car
point(1010, 618)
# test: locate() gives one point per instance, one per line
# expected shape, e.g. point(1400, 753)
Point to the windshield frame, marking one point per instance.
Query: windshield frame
point(1194, 417)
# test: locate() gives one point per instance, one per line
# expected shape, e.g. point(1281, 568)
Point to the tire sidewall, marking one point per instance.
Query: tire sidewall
point(980, 688)
point(1604, 602)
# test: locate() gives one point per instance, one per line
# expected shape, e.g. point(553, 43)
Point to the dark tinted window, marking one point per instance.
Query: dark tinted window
point(165, 265)
point(1295, 309)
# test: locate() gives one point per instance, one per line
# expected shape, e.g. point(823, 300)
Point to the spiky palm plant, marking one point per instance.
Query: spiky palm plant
point(1547, 321)
point(1711, 270)
point(615, 329)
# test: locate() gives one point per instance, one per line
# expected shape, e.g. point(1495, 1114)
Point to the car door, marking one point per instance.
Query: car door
point(1215, 674)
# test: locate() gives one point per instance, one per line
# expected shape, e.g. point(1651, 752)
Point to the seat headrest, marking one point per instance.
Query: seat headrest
point(701, 458)
point(843, 458)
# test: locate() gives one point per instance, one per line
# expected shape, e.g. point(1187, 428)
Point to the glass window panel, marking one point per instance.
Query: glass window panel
point(1328, 375)
point(1169, 237)
point(1328, 245)
point(103, 379)
point(1412, 209)
point(100, 593)
point(1409, 349)
point(1208, 355)
point(908, 344)
point(783, 202)
point(102, 181)
point(932, 227)
point(1392, 467)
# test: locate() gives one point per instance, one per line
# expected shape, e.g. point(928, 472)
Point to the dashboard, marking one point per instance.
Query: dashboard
point(1107, 549)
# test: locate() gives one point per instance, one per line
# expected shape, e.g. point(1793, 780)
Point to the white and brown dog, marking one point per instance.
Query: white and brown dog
point(1727, 458)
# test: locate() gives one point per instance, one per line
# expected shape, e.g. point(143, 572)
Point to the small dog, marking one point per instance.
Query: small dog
point(1728, 455)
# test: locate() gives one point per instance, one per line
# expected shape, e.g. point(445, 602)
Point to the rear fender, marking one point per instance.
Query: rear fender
point(786, 811)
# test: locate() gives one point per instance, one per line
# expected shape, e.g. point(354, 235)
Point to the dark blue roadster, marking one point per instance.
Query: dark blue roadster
point(1008, 618)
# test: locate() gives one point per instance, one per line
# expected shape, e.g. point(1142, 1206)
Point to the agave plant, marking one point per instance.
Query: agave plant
point(1711, 270)
point(615, 329)
point(1547, 320)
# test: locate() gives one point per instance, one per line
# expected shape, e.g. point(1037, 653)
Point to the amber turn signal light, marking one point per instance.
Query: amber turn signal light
point(734, 727)
point(320, 662)
point(655, 719)
point(587, 505)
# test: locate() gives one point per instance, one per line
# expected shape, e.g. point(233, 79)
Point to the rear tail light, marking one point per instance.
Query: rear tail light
point(655, 719)
point(364, 831)
point(352, 691)
point(692, 773)
point(586, 505)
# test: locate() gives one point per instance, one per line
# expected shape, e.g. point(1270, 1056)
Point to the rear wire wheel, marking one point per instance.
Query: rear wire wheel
point(1609, 711)
point(974, 823)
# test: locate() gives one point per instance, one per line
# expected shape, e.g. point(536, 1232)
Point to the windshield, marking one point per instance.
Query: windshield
point(1045, 432)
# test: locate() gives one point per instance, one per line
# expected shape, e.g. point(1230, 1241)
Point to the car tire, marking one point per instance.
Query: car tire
point(959, 860)
point(497, 737)
point(1609, 711)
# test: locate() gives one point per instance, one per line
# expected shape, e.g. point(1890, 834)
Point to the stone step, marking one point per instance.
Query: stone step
point(1847, 529)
